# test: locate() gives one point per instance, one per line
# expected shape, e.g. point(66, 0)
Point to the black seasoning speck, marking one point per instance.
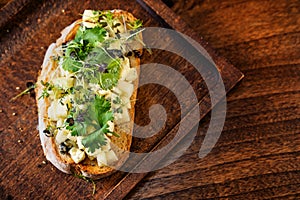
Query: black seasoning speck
point(31, 91)
point(117, 24)
point(137, 53)
point(129, 54)
point(102, 67)
point(73, 54)
point(70, 121)
point(47, 133)
point(63, 148)
point(29, 84)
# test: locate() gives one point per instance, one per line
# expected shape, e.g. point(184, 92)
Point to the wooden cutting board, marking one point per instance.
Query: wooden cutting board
point(27, 29)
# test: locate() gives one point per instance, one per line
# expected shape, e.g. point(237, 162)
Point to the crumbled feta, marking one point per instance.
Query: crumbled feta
point(125, 68)
point(122, 117)
point(94, 154)
point(89, 24)
point(77, 155)
point(111, 157)
point(61, 136)
point(101, 159)
point(97, 89)
point(131, 74)
point(70, 137)
point(79, 142)
point(64, 82)
point(57, 111)
point(104, 92)
point(106, 147)
point(125, 87)
point(126, 101)
point(88, 16)
point(111, 126)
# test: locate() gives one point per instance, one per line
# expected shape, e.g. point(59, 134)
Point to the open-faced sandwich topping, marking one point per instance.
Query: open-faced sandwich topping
point(89, 93)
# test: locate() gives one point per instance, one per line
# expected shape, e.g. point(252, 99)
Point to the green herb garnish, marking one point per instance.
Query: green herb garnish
point(47, 87)
point(94, 62)
point(26, 91)
point(135, 24)
point(89, 180)
point(96, 115)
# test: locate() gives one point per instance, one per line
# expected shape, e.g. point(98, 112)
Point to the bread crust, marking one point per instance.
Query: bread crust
point(120, 145)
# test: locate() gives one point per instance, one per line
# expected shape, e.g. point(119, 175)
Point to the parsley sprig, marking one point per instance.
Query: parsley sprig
point(97, 114)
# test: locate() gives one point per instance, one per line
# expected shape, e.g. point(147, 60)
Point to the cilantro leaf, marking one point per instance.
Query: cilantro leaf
point(108, 81)
point(101, 105)
point(96, 56)
point(114, 67)
point(71, 65)
point(100, 109)
point(97, 114)
point(90, 35)
point(78, 129)
point(78, 49)
point(95, 140)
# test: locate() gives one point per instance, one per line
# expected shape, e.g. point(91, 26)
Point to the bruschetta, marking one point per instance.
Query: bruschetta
point(86, 92)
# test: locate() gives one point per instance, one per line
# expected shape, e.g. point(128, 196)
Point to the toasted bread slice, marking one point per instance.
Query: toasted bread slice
point(120, 145)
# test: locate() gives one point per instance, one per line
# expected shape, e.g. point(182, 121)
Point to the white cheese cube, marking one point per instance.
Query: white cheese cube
point(70, 137)
point(79, 142)
point(106, 147)
point(61, 136)
point(77, 155)
point(131, 74)
point(89, 24)
point(125, 87)
point(123, 117)
point(88, 16)
point(111, 157)
point(111, 126)
point(101, 159)
point(125, 68)
point(126, 102)
point(116, 90)
point(94, 154)
point(60, 123)
point(64, 82)
point(57, 111)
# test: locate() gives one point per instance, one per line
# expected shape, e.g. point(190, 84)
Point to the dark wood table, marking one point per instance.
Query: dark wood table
point(258, 153)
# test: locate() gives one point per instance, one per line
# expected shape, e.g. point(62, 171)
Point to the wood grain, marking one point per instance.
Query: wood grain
point(3, 3)
point(25, 34)
point(257, 155)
